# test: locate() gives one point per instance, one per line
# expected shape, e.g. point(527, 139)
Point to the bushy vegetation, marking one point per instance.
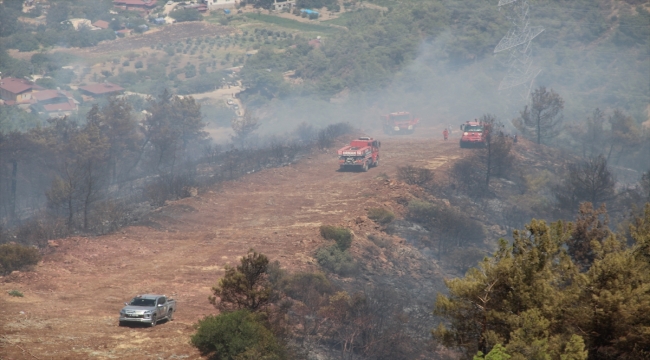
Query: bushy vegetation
point(242, 330)
point(341, 235)
point(306, 312)
point(15, 293)
point(531, 297)
point(13, 119)
point(236, 335)
point(381, 215)
point(336, 260)
point(17, 257)
point(245, 286)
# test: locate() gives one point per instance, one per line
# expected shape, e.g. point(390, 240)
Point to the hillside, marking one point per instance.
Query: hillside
point(73, 297)
point(222, 138)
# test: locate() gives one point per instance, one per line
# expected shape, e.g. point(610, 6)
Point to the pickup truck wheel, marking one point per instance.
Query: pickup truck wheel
point(153, 321)
point(364, 168)
point(170, 315)
point(121, 323)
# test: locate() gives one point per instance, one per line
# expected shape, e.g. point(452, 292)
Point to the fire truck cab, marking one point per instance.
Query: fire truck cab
point(362, 154)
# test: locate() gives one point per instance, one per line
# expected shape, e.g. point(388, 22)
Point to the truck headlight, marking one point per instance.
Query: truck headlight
point(410, 127)
point(396, 128)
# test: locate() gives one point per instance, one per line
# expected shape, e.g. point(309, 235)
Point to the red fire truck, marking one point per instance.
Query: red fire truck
point(399, 123)
point(362, 154)
point(474, 134)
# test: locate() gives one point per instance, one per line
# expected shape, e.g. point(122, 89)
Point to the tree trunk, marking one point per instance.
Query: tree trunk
point(70, 211)
point(87, 199)
point(610, 151)
point(14, 184)
point(489, 162)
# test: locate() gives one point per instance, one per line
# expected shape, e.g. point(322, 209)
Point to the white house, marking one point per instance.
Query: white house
point(283, 4)
point(220, 4)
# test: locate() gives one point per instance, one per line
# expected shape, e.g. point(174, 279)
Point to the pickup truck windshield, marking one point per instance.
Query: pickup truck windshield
point(476, 128)
point(400, 117)
point(143, 302)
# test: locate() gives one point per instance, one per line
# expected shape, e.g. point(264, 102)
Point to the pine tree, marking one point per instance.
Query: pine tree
point(531, 298)
point(614, 306)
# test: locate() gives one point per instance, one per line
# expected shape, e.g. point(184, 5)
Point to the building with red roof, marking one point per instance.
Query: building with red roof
point(102, 24)
point(47, 95)
point(61, 109)
point(17, 91)
point(53, 102)
point(101, 89)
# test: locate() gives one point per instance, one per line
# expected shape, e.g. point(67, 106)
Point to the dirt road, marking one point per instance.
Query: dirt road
point(72, 299)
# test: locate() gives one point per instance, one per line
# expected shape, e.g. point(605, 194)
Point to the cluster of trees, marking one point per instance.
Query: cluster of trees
point(378, 45)
point(267, 313)
point(616, 136)
point(66, 38)
point(88, 174)
point(77, 163)
point(600, 140)
point(559, 291)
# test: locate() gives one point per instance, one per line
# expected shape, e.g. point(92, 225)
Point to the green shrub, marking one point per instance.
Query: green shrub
point(381, 215)
point(341, 235)
point(126, 63)
point(236, 335)
point(337, 261)
point(139, 65)
point(17, 257)
point(15, 293)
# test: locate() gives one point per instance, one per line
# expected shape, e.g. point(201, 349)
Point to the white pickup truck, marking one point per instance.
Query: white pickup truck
point(148, 309)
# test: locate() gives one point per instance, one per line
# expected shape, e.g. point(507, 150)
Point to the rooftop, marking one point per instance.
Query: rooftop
point(101, 24)
point(65, 106)
point(48, 95)
point(15, 86)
